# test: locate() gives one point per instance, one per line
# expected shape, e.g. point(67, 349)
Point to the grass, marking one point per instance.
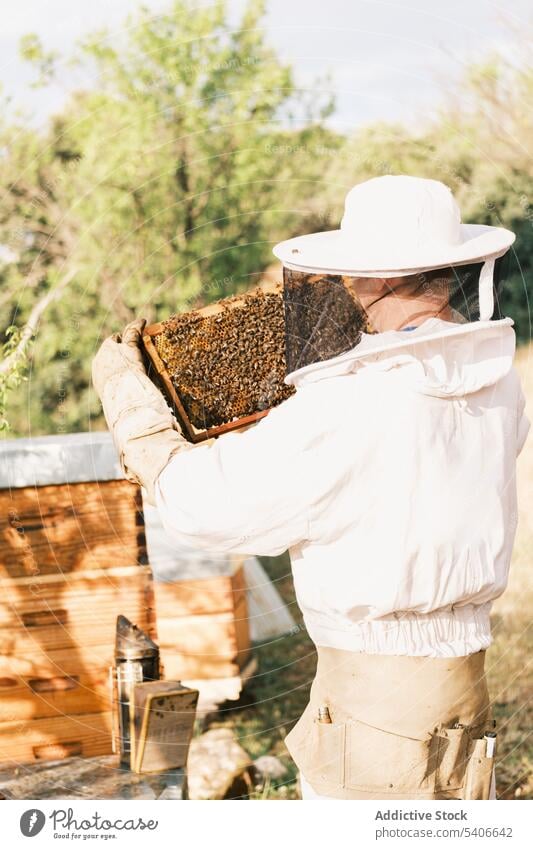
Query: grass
point(279, 690)
point(510, 670)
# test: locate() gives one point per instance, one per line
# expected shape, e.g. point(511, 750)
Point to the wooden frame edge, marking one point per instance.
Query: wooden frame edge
point(194, 436)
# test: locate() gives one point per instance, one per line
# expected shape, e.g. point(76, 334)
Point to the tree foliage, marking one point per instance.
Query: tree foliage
point(479, 146)
point(164, 183)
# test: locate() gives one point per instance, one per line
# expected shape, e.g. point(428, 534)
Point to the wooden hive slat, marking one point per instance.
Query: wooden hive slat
point(242, 633)
point(72, 558)
point(70, 593)
point(75, 585)
point(68, 631)
point(68, 527)
point(86, 691)
point(212, 635)
point(205, 646)
point(37, 666)
point(57, 662)
point(62, 608)
point(203, 626)
point(200, 596)
point(52, 738)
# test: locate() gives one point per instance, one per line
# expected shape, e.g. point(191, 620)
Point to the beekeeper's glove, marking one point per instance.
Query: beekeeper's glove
point(145, 432)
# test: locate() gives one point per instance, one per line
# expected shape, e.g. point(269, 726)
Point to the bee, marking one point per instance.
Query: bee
point(220, 363)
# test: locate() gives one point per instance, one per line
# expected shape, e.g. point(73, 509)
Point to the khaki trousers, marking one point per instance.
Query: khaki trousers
point(401, 727)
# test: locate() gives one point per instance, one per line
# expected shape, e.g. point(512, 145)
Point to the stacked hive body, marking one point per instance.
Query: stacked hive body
point(202, 614)
point(72, 557)
point(203, 625)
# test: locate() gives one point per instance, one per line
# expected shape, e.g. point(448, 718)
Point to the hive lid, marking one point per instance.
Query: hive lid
point(58, 459)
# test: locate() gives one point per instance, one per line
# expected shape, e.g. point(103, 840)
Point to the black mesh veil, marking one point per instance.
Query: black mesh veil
point(326, 314)
point(323, 317)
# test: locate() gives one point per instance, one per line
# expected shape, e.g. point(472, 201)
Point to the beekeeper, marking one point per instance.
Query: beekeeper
point(389, 475)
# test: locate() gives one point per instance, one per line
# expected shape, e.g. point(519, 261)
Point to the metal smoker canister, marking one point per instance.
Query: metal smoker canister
point(136, 660)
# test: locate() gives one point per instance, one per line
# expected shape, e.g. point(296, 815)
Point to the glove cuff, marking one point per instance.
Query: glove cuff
point(145, 432)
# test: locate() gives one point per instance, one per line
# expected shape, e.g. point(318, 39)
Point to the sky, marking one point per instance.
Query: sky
point(395, 60)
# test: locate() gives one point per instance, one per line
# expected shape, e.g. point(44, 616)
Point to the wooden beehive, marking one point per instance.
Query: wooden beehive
point(72, 557)
point(203, 627)
point(221, 367)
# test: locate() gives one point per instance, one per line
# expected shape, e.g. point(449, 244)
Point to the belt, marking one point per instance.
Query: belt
point(401, 727)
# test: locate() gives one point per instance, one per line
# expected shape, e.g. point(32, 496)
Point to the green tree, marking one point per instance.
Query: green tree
point(160, 187)
point(478, 145)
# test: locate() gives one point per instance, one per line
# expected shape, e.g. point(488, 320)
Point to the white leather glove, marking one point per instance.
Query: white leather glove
point(145, 432)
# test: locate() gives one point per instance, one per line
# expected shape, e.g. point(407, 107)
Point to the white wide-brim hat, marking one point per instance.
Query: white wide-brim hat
point(397, 225)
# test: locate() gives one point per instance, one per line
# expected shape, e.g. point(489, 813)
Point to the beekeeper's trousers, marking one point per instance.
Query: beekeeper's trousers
point(401, 728)
point(308, 794)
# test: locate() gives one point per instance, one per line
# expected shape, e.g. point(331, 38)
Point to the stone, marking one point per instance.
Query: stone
point(268, 766)
point(218, 767)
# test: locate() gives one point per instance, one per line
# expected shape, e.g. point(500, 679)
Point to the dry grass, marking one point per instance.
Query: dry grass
point(287, 665)
point(509, 658)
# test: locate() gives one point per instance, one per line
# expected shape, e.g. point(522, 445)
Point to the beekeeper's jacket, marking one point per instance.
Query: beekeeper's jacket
point(389, 476)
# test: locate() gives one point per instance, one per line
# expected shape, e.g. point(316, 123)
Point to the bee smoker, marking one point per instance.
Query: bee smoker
point(136, 660)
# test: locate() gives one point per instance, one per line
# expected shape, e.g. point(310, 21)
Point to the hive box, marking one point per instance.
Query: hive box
point(72, 557)
point(202, 624)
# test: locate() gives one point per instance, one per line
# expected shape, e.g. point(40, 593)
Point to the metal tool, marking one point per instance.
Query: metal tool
point(490, 738)
point(136, 660)
point(324, 715)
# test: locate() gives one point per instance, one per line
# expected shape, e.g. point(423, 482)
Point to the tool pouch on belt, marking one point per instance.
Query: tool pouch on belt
point(400, 727)
point(354, 759)
point(462, 768)
point(479, 772)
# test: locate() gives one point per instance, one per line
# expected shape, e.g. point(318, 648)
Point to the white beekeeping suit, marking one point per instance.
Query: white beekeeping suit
point(390, 477)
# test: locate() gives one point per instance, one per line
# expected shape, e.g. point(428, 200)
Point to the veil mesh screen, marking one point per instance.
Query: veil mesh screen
point(326, 314)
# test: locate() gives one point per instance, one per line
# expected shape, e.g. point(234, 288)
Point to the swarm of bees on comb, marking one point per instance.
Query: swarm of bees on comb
point(323, 317)
point(229, 363)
